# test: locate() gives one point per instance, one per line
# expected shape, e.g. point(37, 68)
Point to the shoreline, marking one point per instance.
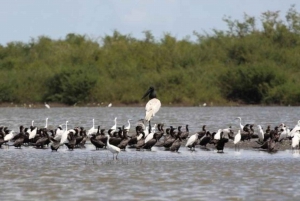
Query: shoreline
point(246, 145)
point(59, 105)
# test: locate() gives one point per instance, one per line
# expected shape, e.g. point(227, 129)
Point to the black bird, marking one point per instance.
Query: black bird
point(176, 144)
point(221, 144)
point(55, 144)
point(96, 142)
point(148, 145)
point(19, 141)
point(205, 140)
point(125, 139)
point(185, 133)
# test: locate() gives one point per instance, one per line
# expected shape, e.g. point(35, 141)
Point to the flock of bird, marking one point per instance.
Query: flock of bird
point(146, 136)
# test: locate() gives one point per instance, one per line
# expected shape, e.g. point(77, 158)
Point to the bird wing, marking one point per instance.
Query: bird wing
point(191, 140)
point(152, 108)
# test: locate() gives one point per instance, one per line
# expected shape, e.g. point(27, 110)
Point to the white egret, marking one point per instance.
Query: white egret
point(109, 105)
point(64, 137)
point(237, 139)
point(260, 134)
point(58, 134)
point(47, 105)
point(150, 135)
point(241, 126)
point(114, 127)
point(284, 134)
point(295, 129)
point(128, 127)
point(92, 130)
point(192, 141)
point(113, 149)
point(9, 136)
point(217, 136)
point(296, 140)
point(32, 132)
point(46, 125)
point(153, 105)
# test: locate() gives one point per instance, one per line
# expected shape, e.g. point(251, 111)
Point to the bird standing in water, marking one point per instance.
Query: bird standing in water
point(152, 106)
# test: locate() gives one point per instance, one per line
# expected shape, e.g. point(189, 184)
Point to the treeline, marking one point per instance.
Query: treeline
point(255, 61)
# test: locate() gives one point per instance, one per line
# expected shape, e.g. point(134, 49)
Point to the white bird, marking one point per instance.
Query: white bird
point(113, 149)
point(260, 134)
point(217, 136)
point(295, 129)
point(46, 125)
point(9, 136)
point(284, 134)
point(64, 136)
point(47, 106)
point(241, 126)
point(109, 105)
point(114, 127)
point(128, 127)
point(192, 141)
point(237, 139)
point(153, 105)
point(58, 133)
point(92, 130)
point(150, 135)
point(296, 140)
point(146, 131)
point(32, 133)
point(226, 131)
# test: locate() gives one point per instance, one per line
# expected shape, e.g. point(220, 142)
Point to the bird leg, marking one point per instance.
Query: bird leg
point(149, 126)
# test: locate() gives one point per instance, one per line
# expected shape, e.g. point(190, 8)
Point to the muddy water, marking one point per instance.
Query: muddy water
point(85, 174)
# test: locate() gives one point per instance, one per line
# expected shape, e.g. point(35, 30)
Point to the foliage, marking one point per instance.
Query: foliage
point(254, 61)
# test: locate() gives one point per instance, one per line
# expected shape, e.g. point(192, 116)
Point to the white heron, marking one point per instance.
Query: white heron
point(32, 133)
point(92, 130)
point(109, 105)
point(241, 126)
point(46, 125)
point(58, 133)
point(153, 105)
point(237, 139)
point(47, 105)
point(9, 136)
point(64, 136)
point(192, 141)
point(284, 134)
point(217, 136)
point(151, 134)
point(296, 140)
point(128, 127)
point(260, 134)
point(114, 127)
point(113, 149)
point(295, 129)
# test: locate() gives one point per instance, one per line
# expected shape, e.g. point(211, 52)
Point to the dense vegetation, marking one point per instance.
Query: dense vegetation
point(253, 62)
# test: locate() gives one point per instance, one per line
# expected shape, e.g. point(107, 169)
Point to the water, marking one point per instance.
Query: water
point(85, 174)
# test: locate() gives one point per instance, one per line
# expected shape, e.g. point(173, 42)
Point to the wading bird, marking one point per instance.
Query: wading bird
point(152, 106)
point(47, 106)
point(113, 149)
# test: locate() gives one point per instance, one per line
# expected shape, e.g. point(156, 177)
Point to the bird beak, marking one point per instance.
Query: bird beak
point(146, 94)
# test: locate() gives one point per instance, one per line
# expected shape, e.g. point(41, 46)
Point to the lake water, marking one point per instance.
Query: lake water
point(86, 174)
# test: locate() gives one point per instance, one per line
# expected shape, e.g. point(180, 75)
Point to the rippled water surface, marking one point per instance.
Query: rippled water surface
point(86, 174)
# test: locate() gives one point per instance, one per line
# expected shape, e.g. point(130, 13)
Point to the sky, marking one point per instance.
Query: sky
point(22, 20)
